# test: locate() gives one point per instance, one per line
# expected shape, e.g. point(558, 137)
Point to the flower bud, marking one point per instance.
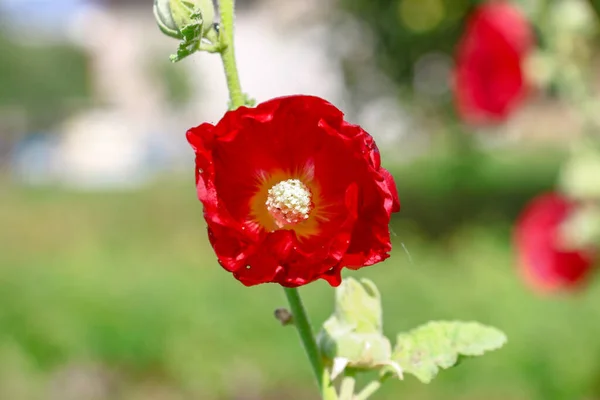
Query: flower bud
point(353, 334)
point(360, 350)
point(174, 15)
point(359, 304)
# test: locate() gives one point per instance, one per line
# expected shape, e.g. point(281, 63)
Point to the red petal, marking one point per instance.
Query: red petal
point(296, 133)
point(544, 264)
point(489, 82)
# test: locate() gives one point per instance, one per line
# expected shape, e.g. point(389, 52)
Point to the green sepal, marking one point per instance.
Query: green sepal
point(248, 102)
point(360, 350)
point(190, 21)
point(191, 38)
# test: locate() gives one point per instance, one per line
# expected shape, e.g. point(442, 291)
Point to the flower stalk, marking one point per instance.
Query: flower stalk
point(347, 387)
point(237, 99)
point(351, 340)
point(226, 11)
point(310, 344)
point(369, 390)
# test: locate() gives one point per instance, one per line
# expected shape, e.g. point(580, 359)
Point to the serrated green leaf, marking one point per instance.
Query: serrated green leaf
point(439, 344)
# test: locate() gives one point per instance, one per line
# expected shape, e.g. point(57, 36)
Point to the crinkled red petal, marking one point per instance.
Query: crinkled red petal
point(291, 134)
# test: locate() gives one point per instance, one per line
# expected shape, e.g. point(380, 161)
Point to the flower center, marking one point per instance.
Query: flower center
point(289, 202)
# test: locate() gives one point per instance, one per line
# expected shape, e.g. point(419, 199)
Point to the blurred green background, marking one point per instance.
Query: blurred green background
point(111, 291)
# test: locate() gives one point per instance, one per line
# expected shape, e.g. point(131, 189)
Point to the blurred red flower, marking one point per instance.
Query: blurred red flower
point(292, 192)
point(488, 78)
point(545, 264)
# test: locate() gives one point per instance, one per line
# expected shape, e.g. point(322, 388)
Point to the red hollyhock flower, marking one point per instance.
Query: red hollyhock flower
point(292, 192)
point(489, 80)
point(545, 264)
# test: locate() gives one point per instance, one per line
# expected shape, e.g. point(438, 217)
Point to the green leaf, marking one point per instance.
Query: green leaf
point(439, 344)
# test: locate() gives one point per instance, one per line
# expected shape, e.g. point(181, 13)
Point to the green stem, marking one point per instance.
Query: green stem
point(347, 387)
point(368, 390)
point(371, 388)
point(226, 10)
point(310, 344)
point(327, 389)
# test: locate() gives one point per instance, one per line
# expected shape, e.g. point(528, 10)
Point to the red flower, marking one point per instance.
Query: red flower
point(489, 81)
point(292, 192)
point(545, 265)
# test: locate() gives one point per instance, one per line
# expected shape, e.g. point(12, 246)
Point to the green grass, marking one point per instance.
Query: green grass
point(128, 282)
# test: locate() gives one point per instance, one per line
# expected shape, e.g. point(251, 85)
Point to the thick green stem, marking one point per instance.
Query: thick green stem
point(310, 344)
point(226, 10)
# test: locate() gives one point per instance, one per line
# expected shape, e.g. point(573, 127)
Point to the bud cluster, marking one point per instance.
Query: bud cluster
point(191, 21)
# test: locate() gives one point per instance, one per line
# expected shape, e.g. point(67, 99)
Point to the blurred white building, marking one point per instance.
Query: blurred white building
point(281, 47)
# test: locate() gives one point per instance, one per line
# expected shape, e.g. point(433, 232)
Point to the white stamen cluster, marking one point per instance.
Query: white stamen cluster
point(289, 202)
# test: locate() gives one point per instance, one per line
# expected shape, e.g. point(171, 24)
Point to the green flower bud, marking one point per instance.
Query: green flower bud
point(359, 304)
point(360, 350)
point(172, 16)
point(353, 336)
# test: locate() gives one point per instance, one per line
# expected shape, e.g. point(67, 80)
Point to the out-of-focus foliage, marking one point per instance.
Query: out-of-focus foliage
point(411, 36)
point(124, 293)
point(176, 82)
point(406, 30)
point(56, 80)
